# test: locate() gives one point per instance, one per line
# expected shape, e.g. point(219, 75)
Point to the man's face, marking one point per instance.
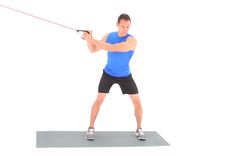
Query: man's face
point(123, 27)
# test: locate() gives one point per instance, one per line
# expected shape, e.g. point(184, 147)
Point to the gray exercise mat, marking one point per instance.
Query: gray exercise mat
point(46, 139)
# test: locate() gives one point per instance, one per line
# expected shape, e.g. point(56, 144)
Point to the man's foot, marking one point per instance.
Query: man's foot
point(90, 134)
point(140, 134)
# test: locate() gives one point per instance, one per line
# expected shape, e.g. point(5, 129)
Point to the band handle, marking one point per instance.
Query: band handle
point(83, 31)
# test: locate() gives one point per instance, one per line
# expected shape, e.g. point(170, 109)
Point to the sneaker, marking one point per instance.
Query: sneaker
point(90, 134)
point(140, 134)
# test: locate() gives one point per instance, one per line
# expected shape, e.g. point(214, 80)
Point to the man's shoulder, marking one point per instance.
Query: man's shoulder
point(131, 38)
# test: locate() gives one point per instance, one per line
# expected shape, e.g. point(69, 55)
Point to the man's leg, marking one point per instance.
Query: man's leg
point(138, 113)
point(96, 107)
point(137, 108)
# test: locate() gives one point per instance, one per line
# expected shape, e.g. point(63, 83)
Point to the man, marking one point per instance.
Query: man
point(120, 46)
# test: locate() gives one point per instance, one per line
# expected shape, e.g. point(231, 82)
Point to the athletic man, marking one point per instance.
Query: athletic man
point(120, 46)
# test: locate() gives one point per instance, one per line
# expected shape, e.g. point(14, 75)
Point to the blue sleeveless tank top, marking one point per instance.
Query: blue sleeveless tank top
point(118, 62)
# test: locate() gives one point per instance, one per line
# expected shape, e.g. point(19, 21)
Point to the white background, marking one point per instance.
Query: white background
point(184, 67)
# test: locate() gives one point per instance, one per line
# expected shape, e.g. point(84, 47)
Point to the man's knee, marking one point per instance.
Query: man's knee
point(100, 98)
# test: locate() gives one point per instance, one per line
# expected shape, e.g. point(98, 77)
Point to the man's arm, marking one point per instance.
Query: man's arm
point(93, 47)
point(129, 44)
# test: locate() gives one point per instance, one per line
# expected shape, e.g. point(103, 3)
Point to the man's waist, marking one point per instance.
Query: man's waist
point(117, 72)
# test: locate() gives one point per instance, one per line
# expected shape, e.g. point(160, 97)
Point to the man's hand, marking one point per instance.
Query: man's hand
point(88, 36)
point(92, 43)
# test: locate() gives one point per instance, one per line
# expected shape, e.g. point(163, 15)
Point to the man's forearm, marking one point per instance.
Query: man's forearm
point(91, 46)
point(103, 45)
point(111, 47)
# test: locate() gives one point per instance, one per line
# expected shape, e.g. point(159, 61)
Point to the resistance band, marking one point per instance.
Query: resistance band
point(44, 19)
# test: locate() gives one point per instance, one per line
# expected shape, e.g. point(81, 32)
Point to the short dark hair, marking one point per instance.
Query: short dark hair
point(123, 17)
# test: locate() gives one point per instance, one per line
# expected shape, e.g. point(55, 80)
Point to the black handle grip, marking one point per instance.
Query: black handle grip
point(83, 31)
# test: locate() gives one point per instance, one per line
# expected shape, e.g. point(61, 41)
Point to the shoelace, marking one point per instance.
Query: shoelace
point(140, 131)
point(90, 131)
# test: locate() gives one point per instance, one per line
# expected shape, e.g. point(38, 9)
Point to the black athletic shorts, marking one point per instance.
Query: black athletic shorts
point(126, 84)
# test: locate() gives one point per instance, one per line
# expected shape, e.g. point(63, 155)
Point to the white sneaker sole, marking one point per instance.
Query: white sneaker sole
point(89, 138)
point(143, 138)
